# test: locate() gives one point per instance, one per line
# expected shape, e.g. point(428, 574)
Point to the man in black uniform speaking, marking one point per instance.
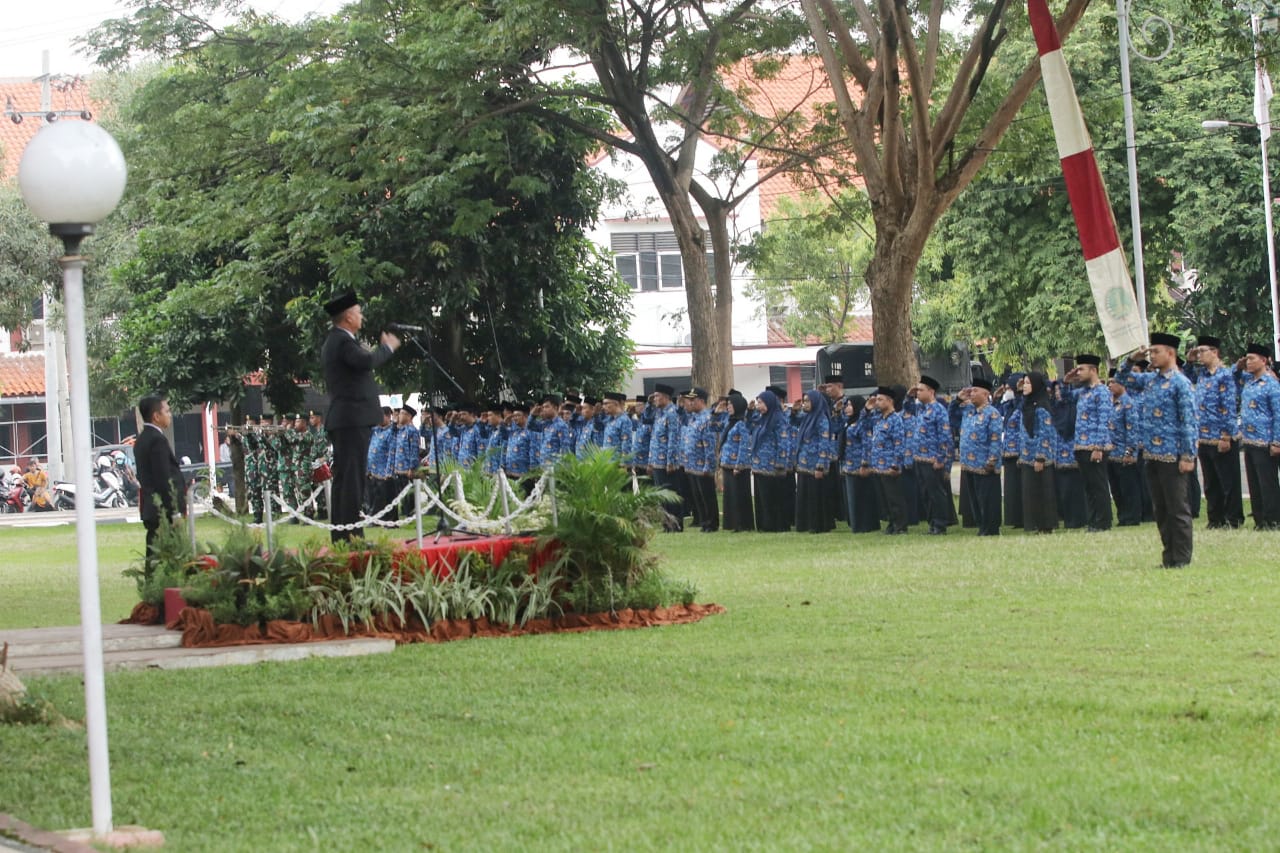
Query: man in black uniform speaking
point(354, 408)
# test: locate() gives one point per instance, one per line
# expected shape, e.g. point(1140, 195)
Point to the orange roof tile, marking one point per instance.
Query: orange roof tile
point(21, 374)
point(859, 330)
point(24, 96)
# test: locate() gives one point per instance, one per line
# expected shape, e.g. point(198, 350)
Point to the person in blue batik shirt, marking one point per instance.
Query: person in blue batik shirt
point(495, 443)
point(1260, 434)
point(1066, 471)
point(735, 468)
point(589, 429)
point(1123, 472)
point(981, 451)
point(886, 459)
point(617, 427)
point(813, 452)
point(379, 468)
point(1218, 440)
point(1095, 423)
point(641, 435)
point(859, 486)
point(1010, 405)
point(470, 445)
point(556, 438)
point(1036, 456)
point(664, 450)
point(770, 458)
point(1168, 435)
point(698, 451)
point(515, 454)
point(931, 449)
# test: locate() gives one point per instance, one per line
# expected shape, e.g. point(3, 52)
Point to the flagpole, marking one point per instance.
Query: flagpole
point(1262, 116)
point(1131, 149)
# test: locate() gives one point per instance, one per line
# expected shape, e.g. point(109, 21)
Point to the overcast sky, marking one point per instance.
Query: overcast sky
point(28, 27)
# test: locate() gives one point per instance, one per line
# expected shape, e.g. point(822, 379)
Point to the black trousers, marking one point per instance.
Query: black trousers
point(833, 495)
point(1126, 489)
point(1221, 471)
point(863, 502)
point(937, 499)
point(664, 479)
point(1039, 499)
point(771, 502)
point(350, 458)
point(892, 500)
point(738, 513)
point(1264, 490)
point(702, 487)
point(1070, 486)
point(1170, 491)
point(1012, 492)
point(1097, 490)
point(983, 492)
point(813, 514)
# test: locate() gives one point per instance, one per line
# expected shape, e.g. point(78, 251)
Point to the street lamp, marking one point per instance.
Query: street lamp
point(1218, 124)
point(72, 175)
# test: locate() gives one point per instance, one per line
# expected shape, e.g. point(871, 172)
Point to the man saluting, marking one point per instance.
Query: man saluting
point(354, 407)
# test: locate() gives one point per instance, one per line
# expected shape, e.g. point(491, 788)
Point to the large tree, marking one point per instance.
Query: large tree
point(281, 164)
point(922, 116)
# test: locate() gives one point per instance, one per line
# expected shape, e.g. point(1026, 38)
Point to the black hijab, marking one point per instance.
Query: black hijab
point(1037, 399)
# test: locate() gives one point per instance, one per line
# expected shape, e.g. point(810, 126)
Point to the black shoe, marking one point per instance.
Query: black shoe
point(1176, 565)
point(937, 531)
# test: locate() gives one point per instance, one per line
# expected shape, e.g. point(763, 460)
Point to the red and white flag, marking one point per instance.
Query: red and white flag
point(1104, 260)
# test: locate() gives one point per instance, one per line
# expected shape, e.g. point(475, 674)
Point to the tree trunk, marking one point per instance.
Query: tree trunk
point(237, 463)
point(712, 360)
point(718, 226)
point(891, 278)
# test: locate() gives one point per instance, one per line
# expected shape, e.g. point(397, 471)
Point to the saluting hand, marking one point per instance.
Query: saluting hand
point(390, 341)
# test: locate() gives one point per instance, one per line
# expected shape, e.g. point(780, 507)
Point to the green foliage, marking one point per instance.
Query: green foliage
point(603, 527)
point(27, 259)
point(811, 264)
point(1017, 281)
point(325, 168)
point(172, 562)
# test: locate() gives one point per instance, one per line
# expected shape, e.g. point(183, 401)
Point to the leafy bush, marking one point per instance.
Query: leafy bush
point(172, 562)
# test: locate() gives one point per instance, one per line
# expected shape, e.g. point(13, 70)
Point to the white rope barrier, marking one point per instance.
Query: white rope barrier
point(425, 501)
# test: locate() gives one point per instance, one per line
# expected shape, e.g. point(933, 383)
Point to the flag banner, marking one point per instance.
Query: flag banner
point(1104, 260)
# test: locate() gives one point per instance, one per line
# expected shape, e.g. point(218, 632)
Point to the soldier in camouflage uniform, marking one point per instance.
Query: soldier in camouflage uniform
point(268, 473)
point(253, 467)
point(319, 454)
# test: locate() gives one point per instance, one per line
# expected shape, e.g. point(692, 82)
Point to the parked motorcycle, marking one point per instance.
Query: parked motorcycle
point(108, 488)
point(13, 491)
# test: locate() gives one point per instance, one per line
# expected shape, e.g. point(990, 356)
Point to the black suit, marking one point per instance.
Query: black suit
point(354, 410)
point(159, 481)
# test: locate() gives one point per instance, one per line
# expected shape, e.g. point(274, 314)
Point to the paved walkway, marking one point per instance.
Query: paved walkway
point(53, 651)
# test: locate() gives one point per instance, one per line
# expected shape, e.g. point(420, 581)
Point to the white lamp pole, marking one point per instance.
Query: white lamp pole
point(72, 175)
point(1217, 124)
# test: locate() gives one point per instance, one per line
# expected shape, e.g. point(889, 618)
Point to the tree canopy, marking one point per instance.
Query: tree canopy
point(279, 164)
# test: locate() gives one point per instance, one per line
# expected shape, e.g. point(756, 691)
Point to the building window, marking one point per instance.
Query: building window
point(650, 261)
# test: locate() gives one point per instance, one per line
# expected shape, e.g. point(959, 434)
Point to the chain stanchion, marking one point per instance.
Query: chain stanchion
point(506, 507)
point(551, 487)
point(268, 498)
point(417, 509)
point(191, 514)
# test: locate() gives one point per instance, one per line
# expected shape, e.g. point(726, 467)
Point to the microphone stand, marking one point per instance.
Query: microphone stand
point(442, 525)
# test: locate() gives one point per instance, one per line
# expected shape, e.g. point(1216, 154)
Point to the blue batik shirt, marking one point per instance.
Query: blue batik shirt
point(1167, 406)
point(888, 444)
point(1216, 407)
point(1260, 410)
point(1124, 430)
point(1041, 446)
point(698, 444)
point(1013, 435)
point(664, 442)
point(617, 436)
point(981, 439)
point(406, 450)
point(771, 449)
point(932, 440)
point(854, 453)
point(515, 455)
point(380, 453)
point(557, 439)
point(1095, 416)
point(735, 450)
point(640, 443)
point(469, 445)
point(495, 449)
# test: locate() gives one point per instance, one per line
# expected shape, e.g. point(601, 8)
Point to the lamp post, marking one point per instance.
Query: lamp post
point(1271, 234)
point(72, 175)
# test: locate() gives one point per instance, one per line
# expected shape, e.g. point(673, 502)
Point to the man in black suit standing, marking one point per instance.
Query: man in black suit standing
point(354, 407)
point(160, 484)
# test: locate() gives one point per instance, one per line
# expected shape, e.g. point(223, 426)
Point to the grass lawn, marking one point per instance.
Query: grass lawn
point(861, 693)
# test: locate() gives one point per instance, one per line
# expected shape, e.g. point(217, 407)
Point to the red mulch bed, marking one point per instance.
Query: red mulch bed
point(198, 628)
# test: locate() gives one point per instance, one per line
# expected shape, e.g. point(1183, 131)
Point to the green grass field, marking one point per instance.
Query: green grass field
point(861, 693)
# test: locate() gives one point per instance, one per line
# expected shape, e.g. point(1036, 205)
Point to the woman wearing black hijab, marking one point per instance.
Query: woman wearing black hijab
point(1035, 459)
point(735, 468)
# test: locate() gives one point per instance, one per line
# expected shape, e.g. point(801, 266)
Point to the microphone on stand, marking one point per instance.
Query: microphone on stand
point(405, 327)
